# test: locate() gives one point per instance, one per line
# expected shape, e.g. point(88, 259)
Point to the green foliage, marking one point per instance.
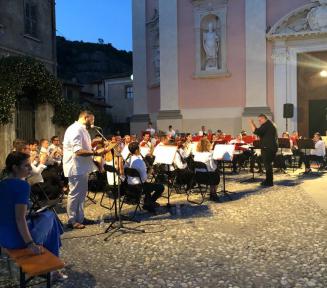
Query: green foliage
point(21, 74)
point(68, 112)
point(91, 61)
point(26, 76)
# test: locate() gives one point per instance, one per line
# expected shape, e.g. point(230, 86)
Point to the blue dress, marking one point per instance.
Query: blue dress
point(44, 228)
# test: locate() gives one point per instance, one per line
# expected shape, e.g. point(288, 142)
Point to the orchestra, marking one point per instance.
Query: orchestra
point(252, 152)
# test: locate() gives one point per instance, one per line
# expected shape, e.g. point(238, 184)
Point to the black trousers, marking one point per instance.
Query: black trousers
point(152, 192)
point(308, 158)
point(268, 156)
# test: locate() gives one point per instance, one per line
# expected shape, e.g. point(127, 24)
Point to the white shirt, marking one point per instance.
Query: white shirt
point(77, 138)
point(206, 158)
point(320, 149)
point(138, 164)
point(178, 159)
point(36, 175)
point(171, 133)
point(151, 130)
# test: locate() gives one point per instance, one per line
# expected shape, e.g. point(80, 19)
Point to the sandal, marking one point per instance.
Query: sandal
point(78, 226)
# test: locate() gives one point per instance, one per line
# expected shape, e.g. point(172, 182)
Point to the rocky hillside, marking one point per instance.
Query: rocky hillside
point(90, 61)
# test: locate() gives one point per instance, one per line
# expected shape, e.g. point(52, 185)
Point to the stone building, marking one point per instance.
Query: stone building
point(118, 92)
point(28, 28)
point(219, 62)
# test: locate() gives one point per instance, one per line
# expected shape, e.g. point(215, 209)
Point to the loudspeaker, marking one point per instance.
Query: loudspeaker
point(288, 111)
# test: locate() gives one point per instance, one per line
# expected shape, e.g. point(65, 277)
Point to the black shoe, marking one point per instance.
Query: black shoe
point(307, 171)
point(156, 205)
point(88, 222)
point(214, 198)
point(267, 184)
point(149, 208)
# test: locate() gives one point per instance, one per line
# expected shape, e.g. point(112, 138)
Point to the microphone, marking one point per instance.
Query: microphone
point(96, 127)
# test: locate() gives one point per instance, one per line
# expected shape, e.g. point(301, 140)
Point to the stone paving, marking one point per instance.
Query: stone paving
point(273, 237)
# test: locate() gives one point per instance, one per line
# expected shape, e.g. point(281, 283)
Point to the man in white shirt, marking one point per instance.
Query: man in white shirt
point(316, 154)
point(171, 133)
point(77, 164)
point(150, 129)
point(55, 149)
point(152, 191)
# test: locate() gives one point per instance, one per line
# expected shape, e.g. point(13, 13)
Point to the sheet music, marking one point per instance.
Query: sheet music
point(165, 154)
point(193, 147)
point(144, 151)
point(125, 152)
point(224, 152)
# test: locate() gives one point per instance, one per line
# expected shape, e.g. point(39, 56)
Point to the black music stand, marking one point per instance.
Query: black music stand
point(119, 227)
point(305, 144)
point(283, 143)
point(256, 145)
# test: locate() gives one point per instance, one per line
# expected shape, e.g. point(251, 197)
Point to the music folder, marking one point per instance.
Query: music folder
point(165, 154)
point(224, 152)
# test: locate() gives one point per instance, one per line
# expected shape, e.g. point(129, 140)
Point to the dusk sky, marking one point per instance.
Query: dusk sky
point(89, 20)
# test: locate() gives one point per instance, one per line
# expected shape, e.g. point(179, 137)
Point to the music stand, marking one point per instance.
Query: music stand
point(165, 154)
point(224, 153)
point(256, 145)
point(305, 144)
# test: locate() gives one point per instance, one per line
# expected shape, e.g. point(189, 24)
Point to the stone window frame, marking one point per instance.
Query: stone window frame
point(31, 21)
point(129, 92)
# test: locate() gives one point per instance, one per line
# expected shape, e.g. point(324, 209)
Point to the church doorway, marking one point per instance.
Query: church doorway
point(312, 93)
point(318, 117)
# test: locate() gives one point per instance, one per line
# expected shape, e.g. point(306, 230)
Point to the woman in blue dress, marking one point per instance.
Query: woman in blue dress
point(16, 229)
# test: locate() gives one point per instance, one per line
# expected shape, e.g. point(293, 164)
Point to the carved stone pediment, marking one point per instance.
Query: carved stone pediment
point(307, 21)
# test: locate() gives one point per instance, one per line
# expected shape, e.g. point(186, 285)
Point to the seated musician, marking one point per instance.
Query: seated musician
point(56, 150)
point(203, 131)
point(284, 154)
point(316, 154)
point(240, 154)
point(183, 173)
point(188, 145)
point(152, 191)
point(146, 142)
point(17, 230)
point(204, 154)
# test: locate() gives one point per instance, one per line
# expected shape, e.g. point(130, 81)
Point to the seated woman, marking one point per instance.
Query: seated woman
point(16, 230)
point(204, 154)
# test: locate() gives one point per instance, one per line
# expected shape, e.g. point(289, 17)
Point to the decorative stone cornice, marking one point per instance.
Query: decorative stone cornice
point(308, 21)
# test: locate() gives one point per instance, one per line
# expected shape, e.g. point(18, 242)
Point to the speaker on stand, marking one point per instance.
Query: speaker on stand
point(288, 112)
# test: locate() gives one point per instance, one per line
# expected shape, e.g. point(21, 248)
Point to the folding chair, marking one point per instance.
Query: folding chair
point(133, 193)
point(111, 190)
point(201, 180)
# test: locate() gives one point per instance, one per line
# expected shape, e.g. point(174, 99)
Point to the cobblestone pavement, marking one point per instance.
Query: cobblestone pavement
point(273, 237)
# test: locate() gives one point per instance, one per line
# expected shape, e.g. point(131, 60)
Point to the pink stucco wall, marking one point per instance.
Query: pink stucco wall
point(277, 9)
point(153, 92)
point(217, 92)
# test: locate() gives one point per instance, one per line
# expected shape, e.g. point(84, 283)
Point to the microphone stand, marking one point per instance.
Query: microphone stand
point(119, 227)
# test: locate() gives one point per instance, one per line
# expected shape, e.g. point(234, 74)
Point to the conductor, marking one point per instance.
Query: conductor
point(269, 142)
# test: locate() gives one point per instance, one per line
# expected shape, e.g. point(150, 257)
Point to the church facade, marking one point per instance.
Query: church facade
point(220, 62)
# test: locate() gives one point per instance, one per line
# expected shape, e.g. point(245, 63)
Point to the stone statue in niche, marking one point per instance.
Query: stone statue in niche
point(211, 47)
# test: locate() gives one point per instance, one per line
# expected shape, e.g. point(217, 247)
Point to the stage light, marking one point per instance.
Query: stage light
point(323, 73)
